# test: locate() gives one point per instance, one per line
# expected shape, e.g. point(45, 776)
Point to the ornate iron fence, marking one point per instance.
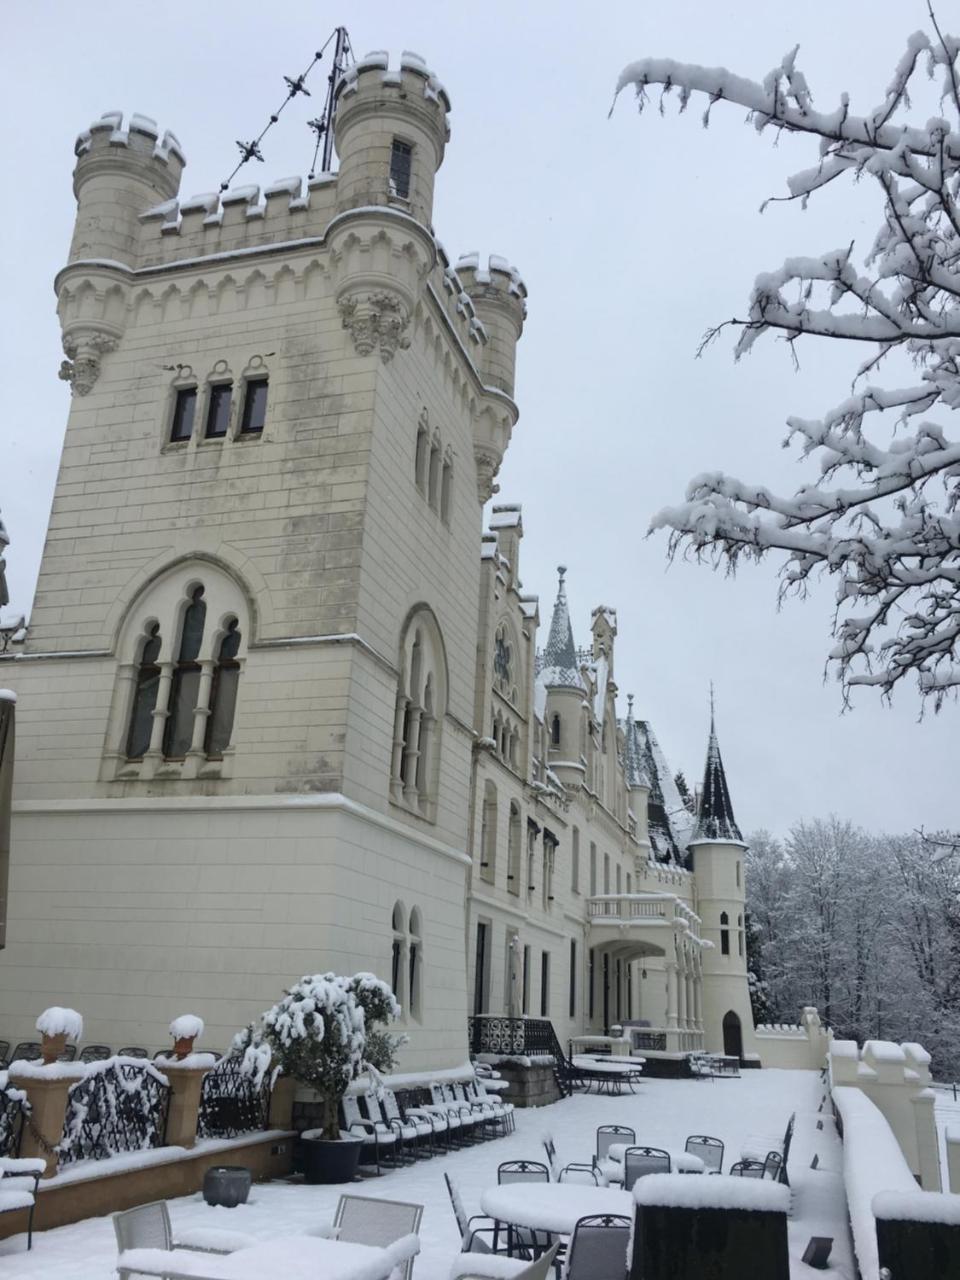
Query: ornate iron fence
point(497, 1035)
point(231, 1102)
point(119, 1106)
point(14, 1109)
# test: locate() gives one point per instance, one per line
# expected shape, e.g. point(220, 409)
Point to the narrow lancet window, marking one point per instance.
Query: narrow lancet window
point(145, 696)
point(185, 688)
point(401, 155)
point(223, 693)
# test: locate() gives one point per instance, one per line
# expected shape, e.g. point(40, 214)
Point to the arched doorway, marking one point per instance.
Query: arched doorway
point(732, 1036)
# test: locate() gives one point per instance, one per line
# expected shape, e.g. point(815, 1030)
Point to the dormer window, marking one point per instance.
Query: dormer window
point(401, 155)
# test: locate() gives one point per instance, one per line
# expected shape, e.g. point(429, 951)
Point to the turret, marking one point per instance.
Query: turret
point(636, 775)
point(563, 693)
point(391, 128)
point(499, 297)
point(120, 174)
point(718, 851)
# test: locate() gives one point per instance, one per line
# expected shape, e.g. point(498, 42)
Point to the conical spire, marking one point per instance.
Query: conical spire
point(634, 765)
point(715, 820)
point(4, 542)
point(560, 655)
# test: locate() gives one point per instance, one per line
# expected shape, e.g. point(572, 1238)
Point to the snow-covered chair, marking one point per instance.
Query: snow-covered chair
point(598, 1248)
point(425, 1127)
point(362, 1220)
point(148, 1227)
point(480, 1266)
point(501, 1111)
point(470, 1121)
point(26, 1051)
point(19, 1182)
point(639, 1161)
point(406, 1134)
point(471, 1236)
point(609, 1135)
point(710, 1151)
point(747, 1169)
point(379, 1138)
point(584, 1173)
point(95, 1053)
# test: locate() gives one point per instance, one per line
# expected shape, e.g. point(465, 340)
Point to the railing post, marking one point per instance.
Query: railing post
point(43, 1124)
point(186, 1085)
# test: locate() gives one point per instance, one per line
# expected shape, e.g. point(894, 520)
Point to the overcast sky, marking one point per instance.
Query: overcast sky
point(634, 234)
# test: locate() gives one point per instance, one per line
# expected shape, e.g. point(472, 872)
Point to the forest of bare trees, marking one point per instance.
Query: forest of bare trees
point(867, 928)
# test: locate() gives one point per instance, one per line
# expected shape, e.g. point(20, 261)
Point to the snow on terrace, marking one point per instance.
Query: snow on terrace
point(663, 1112)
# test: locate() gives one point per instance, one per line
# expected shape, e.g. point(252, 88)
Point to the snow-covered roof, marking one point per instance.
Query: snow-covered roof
point(559, 660)
point(715, 820)
point(669, 822)
point(634, 765)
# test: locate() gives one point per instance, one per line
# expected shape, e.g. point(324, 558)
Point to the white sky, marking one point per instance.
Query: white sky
point(634, 234)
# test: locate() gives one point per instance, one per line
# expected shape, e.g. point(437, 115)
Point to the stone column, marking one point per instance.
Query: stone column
point(671, 995)
point(202, 710)
point(160, 709)
point(185, 1086)
point(281, 1103)
point(411, 756)
point(43, 1127)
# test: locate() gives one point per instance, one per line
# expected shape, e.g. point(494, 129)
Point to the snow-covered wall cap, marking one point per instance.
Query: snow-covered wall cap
point(379, 61)
point(915, 1051)
point(678, 1190)
point(883, 1051)
point(844, 1049)
point(187, 1027)
point(917, 1206)
point(506, 516)
point(112, 122)
point(7, 695)
point(57, 1022)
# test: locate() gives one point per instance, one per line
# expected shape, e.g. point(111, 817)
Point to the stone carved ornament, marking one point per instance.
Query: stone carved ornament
point(82, 368)
point(375, 320)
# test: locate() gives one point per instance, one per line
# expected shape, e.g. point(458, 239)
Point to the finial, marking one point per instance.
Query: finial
point(561, 570)
point(629, 706)
point(711, 708)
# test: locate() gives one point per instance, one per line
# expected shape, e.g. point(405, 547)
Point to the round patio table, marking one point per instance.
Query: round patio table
point(554, 1207)
point(680, 1161)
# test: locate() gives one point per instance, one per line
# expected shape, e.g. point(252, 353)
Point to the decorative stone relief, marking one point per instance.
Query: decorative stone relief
point(82, 368)
point(375, 320)
point(487, 466)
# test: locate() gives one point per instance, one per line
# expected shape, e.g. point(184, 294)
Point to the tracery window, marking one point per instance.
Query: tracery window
point(179, 686)
point(421, 705)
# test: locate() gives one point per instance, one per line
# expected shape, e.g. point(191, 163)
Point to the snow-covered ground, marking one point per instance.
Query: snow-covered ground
point(744, 1112)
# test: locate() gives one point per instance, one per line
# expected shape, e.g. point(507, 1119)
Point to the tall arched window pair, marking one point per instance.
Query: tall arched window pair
point(406, 964)
point(418, 722)
point(433, 469)
point(185, 704)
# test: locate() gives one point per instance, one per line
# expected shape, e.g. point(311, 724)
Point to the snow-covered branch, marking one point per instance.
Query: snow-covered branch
point(883, 514)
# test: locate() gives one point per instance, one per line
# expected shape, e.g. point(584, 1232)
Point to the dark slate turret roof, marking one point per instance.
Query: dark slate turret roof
point(715, 820)
point(669, 823)
point(559, 660)
point(4, 542)
point(634, 766)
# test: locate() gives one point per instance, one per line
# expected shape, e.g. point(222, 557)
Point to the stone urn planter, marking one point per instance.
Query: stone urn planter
point(56, 1027)
point(227, 1185)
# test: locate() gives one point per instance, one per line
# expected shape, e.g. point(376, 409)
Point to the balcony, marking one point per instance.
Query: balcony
point(634, 923)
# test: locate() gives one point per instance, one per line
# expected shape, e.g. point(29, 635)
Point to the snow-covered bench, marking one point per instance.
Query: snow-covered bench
point(19, 1180)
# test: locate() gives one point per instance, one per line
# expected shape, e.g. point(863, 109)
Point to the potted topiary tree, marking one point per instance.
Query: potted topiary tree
point(317, 1034)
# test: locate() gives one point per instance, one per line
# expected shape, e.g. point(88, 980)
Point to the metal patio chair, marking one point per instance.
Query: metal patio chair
point(598, 1248)
point(710, 1151)
point(470, 1266)
point(607, 1136)
point(363, 1220)
point(95, 1053)
point(132, 1051)
point(639, 1161)
point(559, 1170)
point(26, 1051)
point(471, 1237)
point(747, 1169)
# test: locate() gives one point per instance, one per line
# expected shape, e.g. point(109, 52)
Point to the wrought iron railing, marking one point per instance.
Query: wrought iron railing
point(14, 1109)
point(648, 1039)
point(121, 1106)
point(231, 1101)
point(497, 1035)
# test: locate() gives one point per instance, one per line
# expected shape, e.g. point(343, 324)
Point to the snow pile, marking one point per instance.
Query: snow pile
point(7, 695)
point(57, 1022)
point(917, 1206)
point(195, 1060)
point(187, 1027)
point(872, 1163)
point(681, 1191)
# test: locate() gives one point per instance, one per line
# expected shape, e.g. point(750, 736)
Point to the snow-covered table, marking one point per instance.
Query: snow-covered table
point(607, 1073)
point(554, 1207)
point(289, 1257)
point(680, 1161)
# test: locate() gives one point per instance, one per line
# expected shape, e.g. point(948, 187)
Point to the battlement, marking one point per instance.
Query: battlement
point(142, 136)
point(499, 297)
point(373, 72)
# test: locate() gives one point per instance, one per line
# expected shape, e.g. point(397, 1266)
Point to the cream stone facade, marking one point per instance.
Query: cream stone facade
point(280, 703)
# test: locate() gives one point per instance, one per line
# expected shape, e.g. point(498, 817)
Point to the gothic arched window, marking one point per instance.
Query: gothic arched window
point(415, 968)
point(488, 833)
point(433, 477)
point(446, 487)
point(223, 692)
point(418, 721)
point(422, 461)
point(185, 689)
point(145, 695)
point(724, 934)
point(555, 731)
point(513, 849)
point(398, 957)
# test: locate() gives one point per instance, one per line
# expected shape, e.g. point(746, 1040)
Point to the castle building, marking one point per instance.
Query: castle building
point(281, 704)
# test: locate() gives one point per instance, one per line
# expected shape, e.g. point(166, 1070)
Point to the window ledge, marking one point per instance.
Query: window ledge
point(154, 768)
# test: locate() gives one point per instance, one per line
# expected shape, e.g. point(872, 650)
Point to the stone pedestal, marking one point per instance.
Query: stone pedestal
point(281, 1103)
point(533, 1086)
point(43, 1127)
point(185, 1086)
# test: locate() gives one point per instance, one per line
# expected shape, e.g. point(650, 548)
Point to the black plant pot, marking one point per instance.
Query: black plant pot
point(227, 1185)
point(326, 1161)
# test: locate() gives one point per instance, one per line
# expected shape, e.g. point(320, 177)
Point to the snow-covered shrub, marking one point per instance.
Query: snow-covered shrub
point(60, 1022)
point(382, 1049)
point(318, 1033)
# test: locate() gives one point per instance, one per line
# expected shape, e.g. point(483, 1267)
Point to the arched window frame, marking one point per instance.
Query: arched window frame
point(514, 852)
point(398, 956)
point(488, 833)
point(163, 601)
point(143, 708)
point(555, 730)
point(724, 934)
point(420, 710)
point(446, 487)
point(421, 463)
point(740, 938)
point(433, 475)
point(415, 965)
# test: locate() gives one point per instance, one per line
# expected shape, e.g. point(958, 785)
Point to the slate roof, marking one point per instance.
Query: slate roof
point(558, 666)
point(715, 820)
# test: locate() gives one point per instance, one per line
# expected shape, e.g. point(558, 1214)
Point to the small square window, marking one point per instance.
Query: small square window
point(218, 410)
point(254, 407)
point(184, 408)
point(401, 154)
